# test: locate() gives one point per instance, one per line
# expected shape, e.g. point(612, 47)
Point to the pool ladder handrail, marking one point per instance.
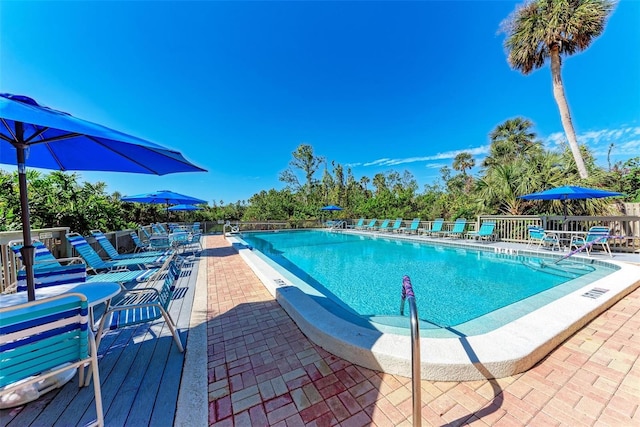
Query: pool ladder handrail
point(338, 224)
point(407, 295)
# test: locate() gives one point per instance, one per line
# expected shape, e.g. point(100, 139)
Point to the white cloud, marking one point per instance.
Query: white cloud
point(440, 156)
point(435, 165)
point(625, 141)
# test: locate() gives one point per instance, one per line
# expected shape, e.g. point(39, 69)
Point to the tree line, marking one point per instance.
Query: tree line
point(539, 32)
point(517, 163)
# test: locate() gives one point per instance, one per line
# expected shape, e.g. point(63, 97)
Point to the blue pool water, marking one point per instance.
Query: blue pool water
point(453, 285)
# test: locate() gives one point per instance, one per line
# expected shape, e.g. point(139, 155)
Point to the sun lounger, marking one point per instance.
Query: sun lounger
point(113, 254)
point(413, 228)
point(97, 264)
point(382, 227)
point(396, 225)
point(486, 232)
point(371, 224)
point(458, 228)
point(50, 271)
point(436, 228)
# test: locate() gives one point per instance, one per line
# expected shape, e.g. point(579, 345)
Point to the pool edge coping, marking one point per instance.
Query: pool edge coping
point(448, 359)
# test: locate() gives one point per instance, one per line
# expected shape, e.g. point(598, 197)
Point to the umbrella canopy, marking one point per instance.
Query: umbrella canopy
point(184, 208)
point(164, 197)
point(32, 135)
point(569, 192)
point(331, 208)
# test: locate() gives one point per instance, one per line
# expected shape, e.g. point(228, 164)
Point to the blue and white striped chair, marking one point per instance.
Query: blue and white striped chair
point(112, 253)
point(44, 338)
point(97, 264)
point(50, 271)
point(145, 305)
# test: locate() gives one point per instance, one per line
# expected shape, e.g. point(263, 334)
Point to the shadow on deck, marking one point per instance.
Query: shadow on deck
point(140, 373)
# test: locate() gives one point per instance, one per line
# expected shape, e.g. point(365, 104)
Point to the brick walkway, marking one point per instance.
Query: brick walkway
point(263, 371)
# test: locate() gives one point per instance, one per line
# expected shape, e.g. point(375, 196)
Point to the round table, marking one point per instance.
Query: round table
point(96, 293)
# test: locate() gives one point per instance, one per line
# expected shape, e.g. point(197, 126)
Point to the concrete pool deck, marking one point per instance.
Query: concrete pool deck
point(262, 370)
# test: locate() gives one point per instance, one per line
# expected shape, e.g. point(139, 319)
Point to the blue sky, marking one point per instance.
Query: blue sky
point(377, 86)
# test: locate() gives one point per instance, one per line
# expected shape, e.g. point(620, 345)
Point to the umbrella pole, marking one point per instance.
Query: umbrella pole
point(27, 249)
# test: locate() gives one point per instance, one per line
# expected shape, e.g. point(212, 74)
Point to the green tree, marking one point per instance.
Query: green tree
point(544, 30)
point(306, 161)
point(511, 140)
point(463, 161)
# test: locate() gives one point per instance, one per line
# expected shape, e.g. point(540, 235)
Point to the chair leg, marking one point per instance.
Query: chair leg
point(96, 383)
point(169, 321)
point(96, 343)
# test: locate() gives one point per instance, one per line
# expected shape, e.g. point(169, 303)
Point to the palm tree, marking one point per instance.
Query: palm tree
point(511, 140)
point(463, 161)
point(548, 29)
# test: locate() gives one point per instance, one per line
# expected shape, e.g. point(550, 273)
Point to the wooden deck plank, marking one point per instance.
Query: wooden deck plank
point(129, 393)
point(140, 371)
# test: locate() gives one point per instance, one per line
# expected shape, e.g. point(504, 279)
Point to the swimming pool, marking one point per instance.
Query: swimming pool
point(327, 282)
point(361, 274)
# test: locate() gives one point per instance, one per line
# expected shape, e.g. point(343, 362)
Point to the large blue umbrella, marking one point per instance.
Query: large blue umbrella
point(569, 192)
point(165, 197)
point(184, 208)
point(331, 208)
point(32, 135)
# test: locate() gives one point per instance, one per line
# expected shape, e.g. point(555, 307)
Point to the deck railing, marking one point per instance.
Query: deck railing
point(513, 228)
point(53, 238)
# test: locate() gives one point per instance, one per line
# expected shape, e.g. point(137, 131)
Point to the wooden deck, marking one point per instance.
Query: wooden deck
point(140, 374)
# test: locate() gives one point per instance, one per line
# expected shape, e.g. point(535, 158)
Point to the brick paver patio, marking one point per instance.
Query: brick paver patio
point(263, 371)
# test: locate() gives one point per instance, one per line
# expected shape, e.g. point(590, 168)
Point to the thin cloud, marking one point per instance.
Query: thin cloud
point(625, 141)
point(440, 156)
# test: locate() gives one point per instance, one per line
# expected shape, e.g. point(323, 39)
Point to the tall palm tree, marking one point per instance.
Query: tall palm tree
point(463, 161)
point(549, 29)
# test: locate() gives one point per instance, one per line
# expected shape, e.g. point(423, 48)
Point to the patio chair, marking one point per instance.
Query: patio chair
point(44, 338)
point(382, 227)
point(113, 254)
point(145, 305)
point(158, 229)
point(396, 225)
point(147, 235)
point(544, 239)
point(486, 232)
point(360, 224)
point(371, 224)
point(595, 236)
point(435, 228)
point(97, 264)
point(140, 247)
point(413, 228)
point(50, 271)
point(458, 228)
point(195, 239)
point(195, 228)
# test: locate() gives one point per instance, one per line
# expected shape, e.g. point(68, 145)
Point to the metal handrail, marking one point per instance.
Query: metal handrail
point(407, 295)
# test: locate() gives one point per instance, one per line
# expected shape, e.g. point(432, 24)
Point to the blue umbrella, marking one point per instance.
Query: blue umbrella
point(184, 208)
point(164, 197)
point(569, 192)
point(32, 135)
point(331, 208)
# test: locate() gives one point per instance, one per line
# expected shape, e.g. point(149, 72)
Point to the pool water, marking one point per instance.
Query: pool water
point(362, 274)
